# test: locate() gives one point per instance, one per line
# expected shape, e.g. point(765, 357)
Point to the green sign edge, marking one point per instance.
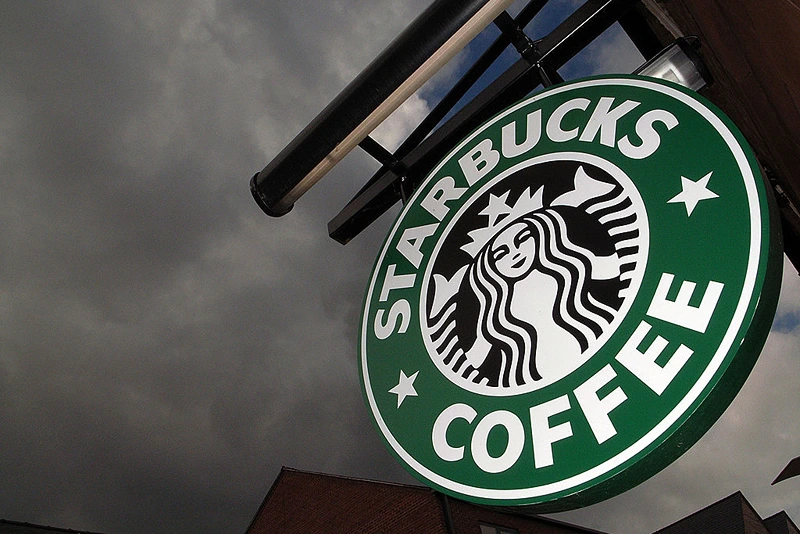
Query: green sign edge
point(697, 421)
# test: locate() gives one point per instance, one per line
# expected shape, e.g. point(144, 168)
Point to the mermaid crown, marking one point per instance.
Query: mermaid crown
point(501, 215)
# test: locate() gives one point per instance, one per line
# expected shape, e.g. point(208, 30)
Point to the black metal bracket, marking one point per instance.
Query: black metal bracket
point(527, 49)
point(514, 32)
point(425, 146)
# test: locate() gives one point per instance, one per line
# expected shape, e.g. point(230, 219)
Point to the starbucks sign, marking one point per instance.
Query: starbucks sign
point(572, 297)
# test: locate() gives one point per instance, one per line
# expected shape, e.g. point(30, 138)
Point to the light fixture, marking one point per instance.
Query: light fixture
point(438, 34)
point(679, 63)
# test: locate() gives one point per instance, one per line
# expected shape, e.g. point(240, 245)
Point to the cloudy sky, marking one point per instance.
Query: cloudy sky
point(164, 346)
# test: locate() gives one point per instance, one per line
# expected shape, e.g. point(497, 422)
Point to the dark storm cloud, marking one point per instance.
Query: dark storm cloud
point(164, 346)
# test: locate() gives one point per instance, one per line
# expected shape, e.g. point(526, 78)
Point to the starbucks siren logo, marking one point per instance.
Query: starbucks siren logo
point(572, 296)
point(541, 282)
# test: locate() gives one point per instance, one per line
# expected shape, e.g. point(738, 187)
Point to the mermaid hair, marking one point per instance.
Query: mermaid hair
point(575, 310)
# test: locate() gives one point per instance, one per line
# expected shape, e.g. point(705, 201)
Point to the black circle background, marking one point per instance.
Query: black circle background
point(557, 177)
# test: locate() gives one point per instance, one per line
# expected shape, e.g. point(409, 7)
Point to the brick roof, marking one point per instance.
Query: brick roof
point(14, 527)
point(780, 523)
point(314, 503)
point(731, 515)
point(300, 501)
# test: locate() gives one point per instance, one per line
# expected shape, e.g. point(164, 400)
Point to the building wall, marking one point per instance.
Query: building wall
point(311, 503)
point(752, 48)
point(317, 504)
point(467, 519)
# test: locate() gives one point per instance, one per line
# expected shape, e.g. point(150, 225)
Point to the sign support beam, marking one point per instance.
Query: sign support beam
point(565, 41)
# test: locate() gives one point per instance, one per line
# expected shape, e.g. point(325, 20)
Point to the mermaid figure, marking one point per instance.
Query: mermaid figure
point(538, 303)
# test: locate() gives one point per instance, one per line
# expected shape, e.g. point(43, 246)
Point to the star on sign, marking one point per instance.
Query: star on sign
point(405, 387)
point(693, 192)
point(497, 207)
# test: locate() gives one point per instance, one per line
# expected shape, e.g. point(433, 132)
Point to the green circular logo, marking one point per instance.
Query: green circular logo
point(572, 297)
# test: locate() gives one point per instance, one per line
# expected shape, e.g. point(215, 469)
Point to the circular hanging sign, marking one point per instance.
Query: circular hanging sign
point(572, 297)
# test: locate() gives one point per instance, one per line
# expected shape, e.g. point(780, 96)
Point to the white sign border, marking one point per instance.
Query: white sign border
point(693, 394)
